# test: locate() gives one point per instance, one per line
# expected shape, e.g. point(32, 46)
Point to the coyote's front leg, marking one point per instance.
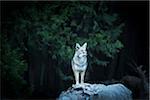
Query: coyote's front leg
point(76, 74)
point(82, 77)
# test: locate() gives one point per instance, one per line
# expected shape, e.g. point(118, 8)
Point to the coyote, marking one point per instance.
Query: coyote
point(79, 62)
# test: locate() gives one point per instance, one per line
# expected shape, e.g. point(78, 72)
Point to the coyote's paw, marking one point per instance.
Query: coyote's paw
point(78, 85)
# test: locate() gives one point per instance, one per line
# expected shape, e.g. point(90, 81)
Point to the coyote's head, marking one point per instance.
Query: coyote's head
point(81, 53)
point(81, 50)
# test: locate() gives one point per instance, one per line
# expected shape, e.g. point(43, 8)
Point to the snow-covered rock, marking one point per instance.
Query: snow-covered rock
point(88, 91)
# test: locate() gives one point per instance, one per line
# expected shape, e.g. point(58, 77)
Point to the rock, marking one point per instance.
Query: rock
point(88, 91)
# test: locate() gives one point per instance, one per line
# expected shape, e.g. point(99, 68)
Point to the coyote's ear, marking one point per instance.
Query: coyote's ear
point(77, 46)
point(84, 45)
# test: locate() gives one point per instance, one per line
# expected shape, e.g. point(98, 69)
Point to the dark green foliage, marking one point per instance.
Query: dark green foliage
point(13, 68)
point(62, 25)
point(48, 33)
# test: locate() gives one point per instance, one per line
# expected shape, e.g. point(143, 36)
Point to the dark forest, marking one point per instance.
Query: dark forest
point(38, 40)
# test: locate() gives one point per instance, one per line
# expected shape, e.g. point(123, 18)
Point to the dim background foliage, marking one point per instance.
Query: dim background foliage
point(45, 35)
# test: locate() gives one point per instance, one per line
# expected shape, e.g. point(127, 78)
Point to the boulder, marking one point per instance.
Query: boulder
point(88, 91)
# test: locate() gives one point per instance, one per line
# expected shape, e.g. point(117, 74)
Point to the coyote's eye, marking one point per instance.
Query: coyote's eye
point(83, 51)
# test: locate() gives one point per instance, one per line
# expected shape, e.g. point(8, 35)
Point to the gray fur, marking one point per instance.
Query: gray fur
point(79, 62)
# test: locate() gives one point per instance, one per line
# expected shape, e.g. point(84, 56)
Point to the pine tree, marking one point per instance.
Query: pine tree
point(48, 33)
